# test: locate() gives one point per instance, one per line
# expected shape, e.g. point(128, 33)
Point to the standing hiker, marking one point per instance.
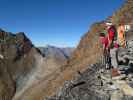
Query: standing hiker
point(105, 43)
point(113, 47)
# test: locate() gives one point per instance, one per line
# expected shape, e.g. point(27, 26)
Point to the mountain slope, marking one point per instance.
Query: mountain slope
point(33, 77)
point(87, 52)
point(81, 57)
point(54, 58)
point(22, 65)
point(17, 51)
point(59, 54)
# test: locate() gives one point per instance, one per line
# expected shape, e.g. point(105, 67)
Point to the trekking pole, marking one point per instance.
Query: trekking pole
point(107, 57)
point(126, 43)
point(102, 58)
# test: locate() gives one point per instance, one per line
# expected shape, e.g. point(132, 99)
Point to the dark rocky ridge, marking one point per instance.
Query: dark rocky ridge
point(17, 61)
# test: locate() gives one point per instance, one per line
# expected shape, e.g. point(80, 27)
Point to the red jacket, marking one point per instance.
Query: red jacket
point(111, 32)
point(104, 41)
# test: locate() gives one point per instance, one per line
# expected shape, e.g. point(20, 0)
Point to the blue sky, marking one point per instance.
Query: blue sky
point(55, 22)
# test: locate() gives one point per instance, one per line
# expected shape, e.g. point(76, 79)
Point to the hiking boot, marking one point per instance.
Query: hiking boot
point(115, 72)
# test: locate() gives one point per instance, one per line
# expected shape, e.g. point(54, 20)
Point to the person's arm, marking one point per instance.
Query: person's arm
point(112, 34)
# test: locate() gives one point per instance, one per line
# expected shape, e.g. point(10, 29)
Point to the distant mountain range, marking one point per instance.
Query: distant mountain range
point(52, 51)
point(31, 73)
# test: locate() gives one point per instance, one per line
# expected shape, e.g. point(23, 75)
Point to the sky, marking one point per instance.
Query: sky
point(59, 23)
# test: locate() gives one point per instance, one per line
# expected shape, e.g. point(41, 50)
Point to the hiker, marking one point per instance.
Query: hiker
point(121, 35)
point(104, 41)
point(113, 47)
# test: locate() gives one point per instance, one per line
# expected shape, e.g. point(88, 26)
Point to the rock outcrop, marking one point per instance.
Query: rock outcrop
point(13, 48)
point(96, 83)
point(16, 63)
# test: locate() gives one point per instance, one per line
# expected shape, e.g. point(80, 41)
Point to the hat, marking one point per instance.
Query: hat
point(109, 23)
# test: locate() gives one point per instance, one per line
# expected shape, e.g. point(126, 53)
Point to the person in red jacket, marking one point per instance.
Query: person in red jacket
point(104, 41)
point(111, 30)
point(105, 44)
point(113, 47)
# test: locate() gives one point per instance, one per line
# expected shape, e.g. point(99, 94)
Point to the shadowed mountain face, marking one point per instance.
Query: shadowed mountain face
point(22, 65)
point(16, 62)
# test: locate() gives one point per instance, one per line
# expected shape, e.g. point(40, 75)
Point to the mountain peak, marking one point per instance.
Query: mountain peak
point(1, 30)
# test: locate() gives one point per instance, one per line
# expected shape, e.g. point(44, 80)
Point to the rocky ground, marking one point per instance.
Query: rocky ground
point(96, 83)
